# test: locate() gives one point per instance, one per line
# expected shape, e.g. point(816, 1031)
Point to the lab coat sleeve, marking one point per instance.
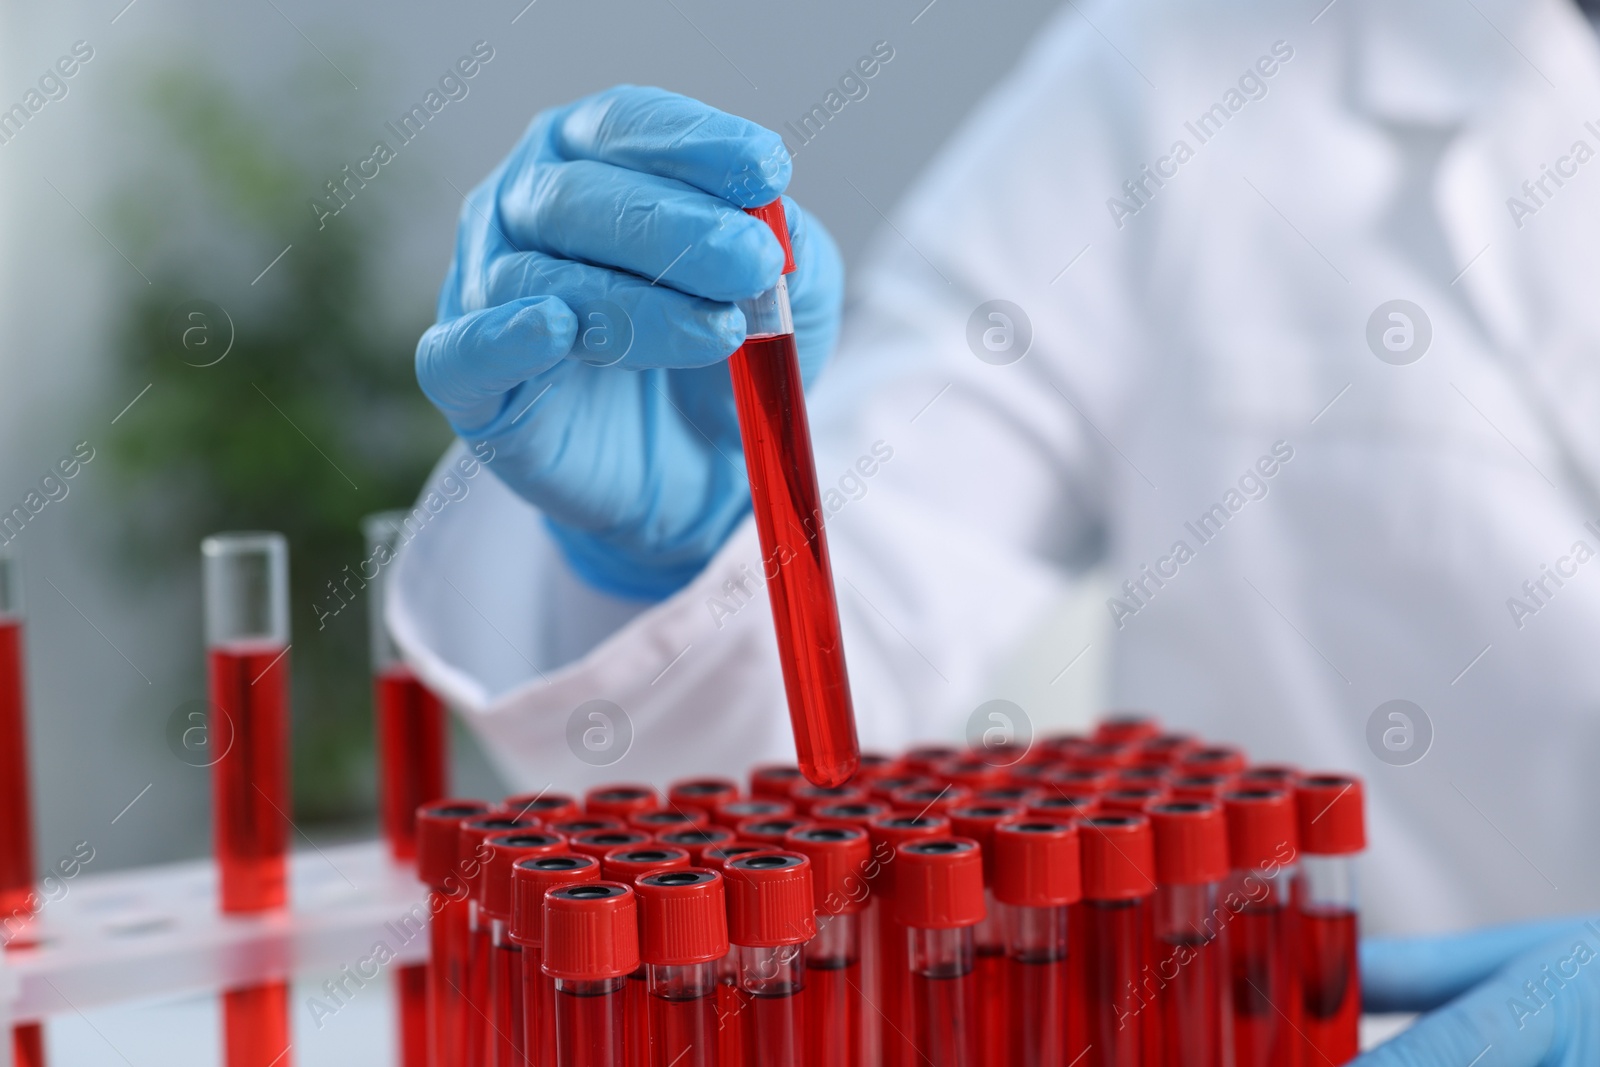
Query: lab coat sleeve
point(960, 492)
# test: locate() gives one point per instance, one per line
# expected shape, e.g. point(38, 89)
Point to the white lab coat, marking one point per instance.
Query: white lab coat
point(1223, 319)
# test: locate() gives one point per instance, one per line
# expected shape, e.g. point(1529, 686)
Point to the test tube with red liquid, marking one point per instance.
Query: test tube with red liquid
point(245, 584)
point(683, 932)
point(770, 919)
point(701, 794)
point(625, 865)
point(1037, 879)
point(16, 798)
point(788, 511)
point(939, 899)
point(544, 805)
point(888, 833)
point(449, 895)
point(507, 1036)
point(1264, 978)
point(472, 843)
point(1118, 892)
point(620, 801)
point(993, 972)
point(591, 945)
point(1332, 828)
point(412, 757)
point(531, 879)
point(1191, 862)
point(839, 858)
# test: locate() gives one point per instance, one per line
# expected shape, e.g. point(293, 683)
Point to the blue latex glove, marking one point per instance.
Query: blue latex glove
point(1491, 1016)
point(584, 324)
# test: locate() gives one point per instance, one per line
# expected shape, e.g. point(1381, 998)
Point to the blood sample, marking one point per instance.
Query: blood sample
point(1118, 887)
point(591, 945)
point(1264, 982)
point(667, 819)
point(1332, 830)
point(701, 794)
point(808, 797)
point(770, 918)
point(978, 822)
point(888, 832)
point(597, 843)
point(1191, 861)
point(770, 399)
point(696, 840)
point(245, 584)
point(769, 831)
point(1213, 759)
point(929, 799)
point(733, 812)
point(774, 781)
point(507, 1036)
point(1037, 878)
point(939, 899)
point(449, 891)
point(544, 806)
point(620, 801)
point(625, 865)
point(839, 858)
point(1126, 728)
point(683, 933)
point(530, 880)
point(16, 802)
point(473, 852)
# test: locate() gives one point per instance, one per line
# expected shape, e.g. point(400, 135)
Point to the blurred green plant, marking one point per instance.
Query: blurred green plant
point(310, 420)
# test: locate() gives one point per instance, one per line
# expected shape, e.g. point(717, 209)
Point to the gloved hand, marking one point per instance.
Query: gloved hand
point(583, 327)
point(1514, 996)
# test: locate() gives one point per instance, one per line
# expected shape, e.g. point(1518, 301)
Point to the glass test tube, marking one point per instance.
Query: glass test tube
point(992, 970)
point(245, 585)
point(1332, 828)
point(770, 398)
point(449, 895)
point(624, 865)
point(888, 832)
point(1264, 981)
point(840, 856)
point(530, 880)
point(770, 918)
point(1191, 839)
point(473, 857)
point(683, 933)
point(1118, 887)
point(507, 1039)
point(16, 798)
point(1037, 879)
point(591, 945)
point(939, 899)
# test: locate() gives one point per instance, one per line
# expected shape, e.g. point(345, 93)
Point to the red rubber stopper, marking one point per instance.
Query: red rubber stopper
point(1126, 728)
point(1191, 842)
point(718, 858)
point(472, 847)
point(591, 931)
point(1097, 756)
point(1202, 786)
point(855, 814)
point(597, 843)
point(972, 772)
point(769, 832)
point(1330, 809)
point(840, 856)
point(697, 839)
point(924, 758)
point(1133, 800)
point(929, 799)
point(889, 832)
point(683, 917)
point(774, 217)
point(1009, 795)
point(774, 781)
point(546, 807)
point(438, 832)
point(701, 794)
point(1072, 779)
point(665, 820)
point(1165, 750)
point(1213, 759)
point(1053, 805)
point(940, 884)
point(1119, 857)
point(621, 800)
point(505, 850)
point(978, 822)
point(734, 812)
point(1140, 775)
point(531, 879)
point(875, 765)
point(1261, 828)
point(627, 863)
point(887, 786)
point(1273, 775)
point(807, 797)
point(770, 899)
point(1037, 863)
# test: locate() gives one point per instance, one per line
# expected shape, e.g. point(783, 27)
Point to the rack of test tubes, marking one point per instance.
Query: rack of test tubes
point(1129, 899)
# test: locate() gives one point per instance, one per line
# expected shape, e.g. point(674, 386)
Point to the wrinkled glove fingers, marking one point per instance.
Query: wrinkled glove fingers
point(470, 365)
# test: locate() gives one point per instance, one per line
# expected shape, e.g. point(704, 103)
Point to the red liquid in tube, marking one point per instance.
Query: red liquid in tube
point(591, 944)
point(1264, 979)
point(412, 993)
point(788, 511)
point(16, 804)
point(1332, 832)
point(939, 899)
point(412, 753)
point(256, 1026)
point(1191, 840)
point(27, 1045)
point(1118, 888)
point(250, 795)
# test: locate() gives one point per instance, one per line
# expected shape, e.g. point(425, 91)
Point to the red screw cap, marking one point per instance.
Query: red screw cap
point(1202, 786)
point(531, 879)
point(1165, 750)
point(570, 828)
point(972, 772)
point(1191, 842)
point(438, 831)
point(697, 839)
point(773, 216)
point(620, 801)
point(544, 806)
point(1331, 816)
point(769, 831)
point(889, 832)
point(505, 850)
point(924, 758)
point(1272, 775)
point(1214, 759)
point(770, 899)
point(1052, 805)
point(668, 819)
point(929, 799)
point(875, 765)
point(886, 787)
point(775, 781)
point(807, 797)
point(591, 931)
point(1070, 779)
point(1140, 775)
point(978, 822)
point(1037, 863)
point(1119, 857)
point(840, 856)
point(1132, 799)
point(597, 843)
point(472, 848)
point(683, 917)
point(627, 863)
point(701, 794)
point(855, 814)
point(1098, 756)
point(733, 812)
point(1126, 728)
point(940, 884)
point(717, 859)
point(1261, 828)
